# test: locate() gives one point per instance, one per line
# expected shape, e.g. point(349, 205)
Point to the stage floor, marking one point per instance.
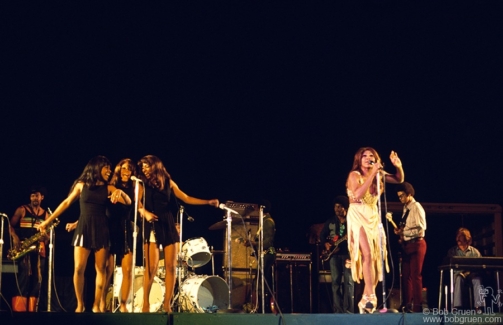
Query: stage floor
point(51, 318)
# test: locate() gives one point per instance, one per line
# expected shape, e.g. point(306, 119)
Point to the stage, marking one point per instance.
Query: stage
point(51, 318)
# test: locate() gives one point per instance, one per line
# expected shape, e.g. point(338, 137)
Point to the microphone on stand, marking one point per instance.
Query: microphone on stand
point(190, 219)
point(224, 207)
point(136, 179)
point(371, 162)
point(3, 215)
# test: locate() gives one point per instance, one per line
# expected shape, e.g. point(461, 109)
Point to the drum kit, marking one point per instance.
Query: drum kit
point(196, 294)
point(193, 293)
point(199, 293)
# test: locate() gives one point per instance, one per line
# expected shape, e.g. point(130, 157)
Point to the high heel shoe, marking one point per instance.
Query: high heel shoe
point(373, 301)
point(368, 304)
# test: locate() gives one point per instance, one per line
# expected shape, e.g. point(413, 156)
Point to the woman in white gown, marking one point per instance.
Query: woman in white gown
point(363, 220)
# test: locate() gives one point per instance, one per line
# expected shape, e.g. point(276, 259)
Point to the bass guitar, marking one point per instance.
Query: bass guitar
point(326, 254)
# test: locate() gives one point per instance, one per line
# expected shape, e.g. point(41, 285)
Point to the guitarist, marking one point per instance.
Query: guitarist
point(411, 231)
point(335, 228)
point(32, 265)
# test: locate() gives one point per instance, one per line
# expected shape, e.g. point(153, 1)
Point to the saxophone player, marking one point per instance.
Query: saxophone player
point(31, 266)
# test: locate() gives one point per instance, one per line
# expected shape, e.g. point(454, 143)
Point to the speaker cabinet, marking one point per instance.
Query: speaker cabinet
point(243, 263)
point(293, 286)
point(242, 258)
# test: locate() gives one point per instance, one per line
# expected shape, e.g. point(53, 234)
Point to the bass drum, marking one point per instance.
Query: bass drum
point(204, 294)
point(156, 293)
point(156, 298)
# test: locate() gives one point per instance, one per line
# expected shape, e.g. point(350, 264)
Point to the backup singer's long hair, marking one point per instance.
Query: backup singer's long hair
point(158, 173)
point(91, 175)
point(116, 177)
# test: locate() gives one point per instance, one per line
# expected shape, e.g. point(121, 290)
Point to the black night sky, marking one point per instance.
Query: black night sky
point(251, 100)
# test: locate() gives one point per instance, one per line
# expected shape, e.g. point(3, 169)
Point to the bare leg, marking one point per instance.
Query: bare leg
point(369, 299)
point(100, 257)
point(80, 255)
point(368, 270)
point(126, 281)
point(170, 262)
point(151, 262)
point(110, 268)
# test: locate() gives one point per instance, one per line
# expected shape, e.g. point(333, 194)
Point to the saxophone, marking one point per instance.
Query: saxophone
point(29, 244)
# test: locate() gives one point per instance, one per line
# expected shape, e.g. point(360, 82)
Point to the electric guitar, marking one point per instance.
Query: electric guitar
point(325, 255)
point(390, 219)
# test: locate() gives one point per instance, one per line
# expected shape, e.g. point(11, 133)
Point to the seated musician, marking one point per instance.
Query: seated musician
point(462, 277)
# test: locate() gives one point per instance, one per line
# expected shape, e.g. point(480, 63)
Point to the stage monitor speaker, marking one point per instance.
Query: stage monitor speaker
point(293, 286)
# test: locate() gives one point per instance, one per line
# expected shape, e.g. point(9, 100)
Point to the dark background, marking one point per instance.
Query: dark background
point(244, 101)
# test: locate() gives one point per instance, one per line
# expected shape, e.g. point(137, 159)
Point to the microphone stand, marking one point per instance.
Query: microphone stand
point(261, 252)
point(52, 234)
point(135, 235)
point(179, 264)
point(381, 249)
point(229, 256)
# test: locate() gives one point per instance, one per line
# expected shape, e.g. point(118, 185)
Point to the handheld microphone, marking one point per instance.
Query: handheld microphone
point(136, 179)
point(371, 162)
point(223, 207)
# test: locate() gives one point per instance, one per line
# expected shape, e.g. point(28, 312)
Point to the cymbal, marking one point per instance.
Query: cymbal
point(223, 224)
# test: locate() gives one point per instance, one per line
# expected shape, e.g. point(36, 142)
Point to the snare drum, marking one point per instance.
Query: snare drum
point(204, 294)
point(195, 252)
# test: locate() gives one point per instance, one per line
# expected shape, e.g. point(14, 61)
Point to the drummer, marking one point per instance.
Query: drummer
point(161, 229)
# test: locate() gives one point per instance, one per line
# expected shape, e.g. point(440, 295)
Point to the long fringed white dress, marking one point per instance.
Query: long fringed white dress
point(365, 215)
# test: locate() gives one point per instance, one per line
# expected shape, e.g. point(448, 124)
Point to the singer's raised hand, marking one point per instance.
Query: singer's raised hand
point(394, 159)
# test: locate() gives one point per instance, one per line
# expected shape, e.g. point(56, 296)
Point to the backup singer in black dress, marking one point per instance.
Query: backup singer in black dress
point(92, 233)
point(160, 229)
point(121, 229)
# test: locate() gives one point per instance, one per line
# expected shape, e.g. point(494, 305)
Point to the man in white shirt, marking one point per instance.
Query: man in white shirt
point(411, 231)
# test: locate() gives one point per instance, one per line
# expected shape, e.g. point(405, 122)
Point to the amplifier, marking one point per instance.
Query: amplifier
point(295, 257)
